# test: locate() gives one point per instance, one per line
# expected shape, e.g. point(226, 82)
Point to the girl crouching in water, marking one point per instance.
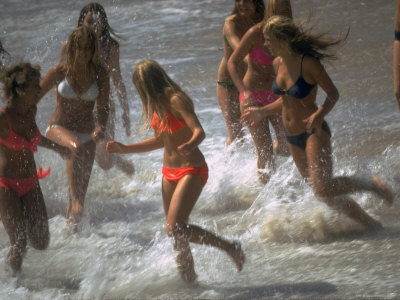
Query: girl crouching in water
point(22, 207)
point(185, 171)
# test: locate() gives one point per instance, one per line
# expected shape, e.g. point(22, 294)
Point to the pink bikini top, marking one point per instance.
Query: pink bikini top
point(259, 56)
point(17, 142)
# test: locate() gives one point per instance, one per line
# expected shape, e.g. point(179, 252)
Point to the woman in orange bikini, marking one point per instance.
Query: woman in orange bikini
point(185, 171)
point(22, 207)
point(245, 14)
point(255, 88)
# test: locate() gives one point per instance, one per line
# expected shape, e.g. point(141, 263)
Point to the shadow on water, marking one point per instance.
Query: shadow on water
point(309, 289)
point(65, 284)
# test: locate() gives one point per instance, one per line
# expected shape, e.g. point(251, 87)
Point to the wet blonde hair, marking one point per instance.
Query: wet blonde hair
point(302, 41)
point(16, 78)
point(82, 33)
point(155, 89)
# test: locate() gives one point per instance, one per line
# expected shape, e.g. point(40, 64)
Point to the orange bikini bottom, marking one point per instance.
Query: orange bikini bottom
point(176, 174)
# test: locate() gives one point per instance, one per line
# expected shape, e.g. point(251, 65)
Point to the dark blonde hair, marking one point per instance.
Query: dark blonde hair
point(106, 30)
point(260, 9)
point(16, 78)
point(155, 89)
point(302, 41)
point(272, 9)
point(79, 33)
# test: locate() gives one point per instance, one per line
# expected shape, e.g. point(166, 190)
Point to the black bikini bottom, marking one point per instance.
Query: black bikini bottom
point(301, 139)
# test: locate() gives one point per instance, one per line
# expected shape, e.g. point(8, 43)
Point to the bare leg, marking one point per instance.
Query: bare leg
point(228, 100)
point(79, 167)
point(11, 213)
point(319, 167)
point(179, 200)
point(264, 146)
point(35, 216)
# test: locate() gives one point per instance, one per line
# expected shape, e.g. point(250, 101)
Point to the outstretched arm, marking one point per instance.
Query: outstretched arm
point(253, 115)
point(63, 151)
point(145, 146)
point(102, 105)
point(120, 89)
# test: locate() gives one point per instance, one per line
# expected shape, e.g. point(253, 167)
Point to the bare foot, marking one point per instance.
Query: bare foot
point(185, 264)
point(237, 255)
point(14, 261)
point(383, 190)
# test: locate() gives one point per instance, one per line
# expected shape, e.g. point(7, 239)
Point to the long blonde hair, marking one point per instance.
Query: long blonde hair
point(79, 33)
point(155, 89)
point(302, 41)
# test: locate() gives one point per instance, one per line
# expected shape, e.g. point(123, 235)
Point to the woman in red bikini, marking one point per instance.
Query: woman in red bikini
point(22, 207)
point(245, 14)
point(185, 171)
point(255, 88)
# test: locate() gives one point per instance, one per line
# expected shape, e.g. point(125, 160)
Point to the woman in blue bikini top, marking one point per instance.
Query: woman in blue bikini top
point(298, 71)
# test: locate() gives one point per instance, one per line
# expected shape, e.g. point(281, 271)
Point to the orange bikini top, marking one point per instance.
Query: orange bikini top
point(16, 142)
point(169, 124)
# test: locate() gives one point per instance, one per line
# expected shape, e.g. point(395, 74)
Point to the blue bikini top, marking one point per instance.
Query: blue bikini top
point(65, 90)
point(299, 89)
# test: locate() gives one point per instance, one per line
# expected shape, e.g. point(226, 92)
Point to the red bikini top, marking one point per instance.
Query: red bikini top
point(169, 124)
point(17, 142)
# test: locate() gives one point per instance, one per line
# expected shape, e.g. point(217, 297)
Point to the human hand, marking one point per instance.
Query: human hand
point(114, 147)
point(184, 149)
point(98, 134)
point(313, 122)
point(251, 116)
point(126, 122)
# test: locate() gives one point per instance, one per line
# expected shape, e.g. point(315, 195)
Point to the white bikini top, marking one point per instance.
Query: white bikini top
point(66, 91)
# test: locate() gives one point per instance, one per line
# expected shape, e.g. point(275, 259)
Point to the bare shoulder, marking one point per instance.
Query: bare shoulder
point(180, 102)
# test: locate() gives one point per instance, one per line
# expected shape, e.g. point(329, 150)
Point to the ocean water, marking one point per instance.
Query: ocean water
point(295, 246)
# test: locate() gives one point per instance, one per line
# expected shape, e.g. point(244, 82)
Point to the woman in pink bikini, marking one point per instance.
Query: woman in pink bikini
point(22, 208)
point(185, 171)
point(245, 14)
point(255, 88)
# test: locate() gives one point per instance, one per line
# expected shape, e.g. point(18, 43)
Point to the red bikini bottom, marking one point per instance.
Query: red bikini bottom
point(176, 174)
point(22, 186)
